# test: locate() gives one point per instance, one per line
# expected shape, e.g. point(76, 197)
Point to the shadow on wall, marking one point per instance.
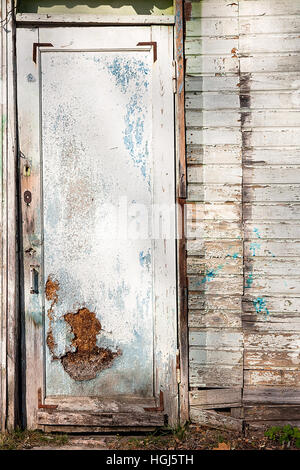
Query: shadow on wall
point(127, 7)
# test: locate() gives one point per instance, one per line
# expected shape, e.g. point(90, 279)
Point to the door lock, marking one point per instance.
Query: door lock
point(27, 197)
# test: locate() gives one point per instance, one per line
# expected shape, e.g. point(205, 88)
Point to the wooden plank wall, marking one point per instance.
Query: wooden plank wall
point(243, 151)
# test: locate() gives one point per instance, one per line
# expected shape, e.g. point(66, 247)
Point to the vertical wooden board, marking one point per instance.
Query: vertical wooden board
point(165, 248)
point(29, 142)
point(9, 294)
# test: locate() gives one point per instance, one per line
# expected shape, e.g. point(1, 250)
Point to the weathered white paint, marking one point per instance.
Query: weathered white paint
point(242, 111)
point(100, 125)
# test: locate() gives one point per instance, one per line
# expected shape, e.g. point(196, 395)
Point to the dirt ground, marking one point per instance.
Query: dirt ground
point(188, 438)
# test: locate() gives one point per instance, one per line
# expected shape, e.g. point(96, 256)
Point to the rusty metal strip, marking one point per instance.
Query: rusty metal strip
point(181, 201)
point(41, 405)
point(153, 44)
point(161, 406)
point(36, 45)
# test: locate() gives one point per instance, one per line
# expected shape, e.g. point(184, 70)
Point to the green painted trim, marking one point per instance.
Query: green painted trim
point(112, 7)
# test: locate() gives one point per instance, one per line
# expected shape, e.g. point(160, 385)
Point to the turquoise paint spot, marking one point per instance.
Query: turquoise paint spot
point(256, 231)
point(145, 259)
point(249, 281)
point(210, 275)
point(260, 305)
point(253, 247)
point(234, 256)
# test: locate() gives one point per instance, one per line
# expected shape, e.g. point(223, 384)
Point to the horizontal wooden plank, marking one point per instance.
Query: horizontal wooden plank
point(263, 81)
point(214, 319)
point(214, 419)
point(272, 412)
point(101, 404)
point(216, 339)
point(202, 266)
point(215, 192)
point(271, 395)
point(213, 9)
point(206, 357)
point(251, 44)
point(213, 229)
point(260, 359)
point(215, 376)
point(261, 118)
point(283, 378)
point(213, 119)
point(275, 303)
point(215, 249)
point(213, 27)
point(269, 341)
point(86, 19)
point(212, 83)
point(217, 285)
point(214, 154)
point(204, 136)
point(209, 45)
point(278, 321)
point(199, 211)
point(282, 211)
point(231, 396)
point(271, 230)
point(257, 63)
point(270, 267)
point(272, 249)
point(272, 156)
point(269, 192)
point(231, 174)
point(268, 24)
point(212, 100)
point(269, 137)
point(197, 64)
point(267, 174)
point(69, 418)
point(268, 285)
point(268, 7)
point(207, 302)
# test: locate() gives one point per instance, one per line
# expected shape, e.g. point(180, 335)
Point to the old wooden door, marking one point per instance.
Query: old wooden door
point(96, 147)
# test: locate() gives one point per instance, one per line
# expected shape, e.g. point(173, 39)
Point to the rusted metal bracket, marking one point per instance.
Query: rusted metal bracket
point(36, 45)
point(153, 44)
point(41, 405)
point(161, 404)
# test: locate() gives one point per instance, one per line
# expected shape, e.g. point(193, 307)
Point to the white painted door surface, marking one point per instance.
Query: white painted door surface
point(95, 117)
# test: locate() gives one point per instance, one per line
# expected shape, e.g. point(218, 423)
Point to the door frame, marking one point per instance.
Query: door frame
point(10, 332)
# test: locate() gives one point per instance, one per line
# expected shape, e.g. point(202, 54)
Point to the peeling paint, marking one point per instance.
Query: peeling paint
point(249, 281)
point(253, 247)
point(145, 259)
point(88, 359)
point(260, 305)
point(51, 289)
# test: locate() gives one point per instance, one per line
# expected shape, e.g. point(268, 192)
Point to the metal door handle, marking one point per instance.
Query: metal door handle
point(34, 279)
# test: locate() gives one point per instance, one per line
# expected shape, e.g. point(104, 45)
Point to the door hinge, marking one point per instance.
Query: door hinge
point(41, 405)
point(178, 371)
point(161, 406)
point(174, 76)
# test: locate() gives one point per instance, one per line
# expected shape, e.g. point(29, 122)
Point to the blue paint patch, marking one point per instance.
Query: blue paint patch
point(234, 256)
point(210, 275)
point(127, 70)
point(260, 305)
point(253, 247)
point(256, 231)
point(145, 259)
point(249, 281)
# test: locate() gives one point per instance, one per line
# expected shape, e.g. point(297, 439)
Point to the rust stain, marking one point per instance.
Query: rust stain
point(51, 289)
point(233, 52)
point(88, 359)
point(187, 11)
